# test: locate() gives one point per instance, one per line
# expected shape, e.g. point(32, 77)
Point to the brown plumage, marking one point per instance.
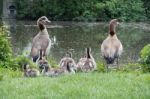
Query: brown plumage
point(87, 63)
point(28, 72)
point(41, 40)
point(68, 62)
point(48, 71)
point(111, 47)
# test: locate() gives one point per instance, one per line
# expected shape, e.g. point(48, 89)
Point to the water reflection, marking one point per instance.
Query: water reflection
point(74, 37)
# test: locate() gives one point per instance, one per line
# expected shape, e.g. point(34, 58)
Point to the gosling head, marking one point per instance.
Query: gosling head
point(42, 64)
point(25, 66)
point(71, 67)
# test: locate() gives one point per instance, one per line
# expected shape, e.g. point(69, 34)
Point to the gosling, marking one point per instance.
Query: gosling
point(28, 72)
point(87, 63)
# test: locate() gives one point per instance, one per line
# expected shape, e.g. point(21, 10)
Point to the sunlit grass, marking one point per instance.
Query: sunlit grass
point(113, 85)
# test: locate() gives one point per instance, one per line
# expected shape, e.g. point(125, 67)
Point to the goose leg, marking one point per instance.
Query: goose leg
point(44, 54)
point(118, 67)
point(107, 68)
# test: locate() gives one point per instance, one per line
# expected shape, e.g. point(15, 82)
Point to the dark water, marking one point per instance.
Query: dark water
point(76, 36)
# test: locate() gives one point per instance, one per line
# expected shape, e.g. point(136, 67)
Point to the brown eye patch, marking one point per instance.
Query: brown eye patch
point(43, 18)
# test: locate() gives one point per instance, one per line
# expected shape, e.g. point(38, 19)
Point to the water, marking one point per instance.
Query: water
point(76, 36)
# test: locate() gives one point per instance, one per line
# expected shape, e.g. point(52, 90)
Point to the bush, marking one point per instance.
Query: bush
point(5, 48)
point(145, 58)
point(7, 59)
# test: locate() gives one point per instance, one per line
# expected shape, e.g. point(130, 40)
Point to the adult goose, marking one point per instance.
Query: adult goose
point(87, 63)
point(41, 41)
point(111, 47)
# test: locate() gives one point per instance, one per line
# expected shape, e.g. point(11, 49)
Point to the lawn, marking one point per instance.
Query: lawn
point(113, 85)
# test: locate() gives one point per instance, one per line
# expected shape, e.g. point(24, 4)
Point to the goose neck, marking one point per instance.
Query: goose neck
point(112, 29)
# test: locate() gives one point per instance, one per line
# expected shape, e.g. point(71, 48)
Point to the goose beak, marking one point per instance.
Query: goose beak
point(48, 21)
point(118, 23)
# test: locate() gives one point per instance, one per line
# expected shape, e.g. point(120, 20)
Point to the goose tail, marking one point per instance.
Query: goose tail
point(109, 60)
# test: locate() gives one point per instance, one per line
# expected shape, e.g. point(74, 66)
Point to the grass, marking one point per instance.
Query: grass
point(113, 85)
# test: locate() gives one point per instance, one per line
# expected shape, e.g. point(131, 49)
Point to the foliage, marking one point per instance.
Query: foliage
point(147, 7)
point(21, 60)
point(5, 48)
point(52, 62)
point(7, 59)
point(81, 10)
point(100, 66)
point(6, 73)
point(145, 58)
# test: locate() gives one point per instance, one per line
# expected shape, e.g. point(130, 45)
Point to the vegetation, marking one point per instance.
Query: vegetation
point(145, 58)
point(82, 10)
point(7, 59)
point(78, 86)
point(5, 48)
point(147, 7)
point(1, 7)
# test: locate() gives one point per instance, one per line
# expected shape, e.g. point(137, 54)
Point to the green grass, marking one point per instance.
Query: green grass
point(79, 86)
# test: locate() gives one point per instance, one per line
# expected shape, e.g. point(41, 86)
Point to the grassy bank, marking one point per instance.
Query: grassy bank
point(79, 86)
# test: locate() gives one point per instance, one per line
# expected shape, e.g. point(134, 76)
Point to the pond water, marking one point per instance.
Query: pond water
point(76, 36)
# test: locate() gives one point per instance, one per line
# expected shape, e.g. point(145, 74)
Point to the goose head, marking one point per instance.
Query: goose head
point(42, 21)
point(112, 26)
point(115, 22)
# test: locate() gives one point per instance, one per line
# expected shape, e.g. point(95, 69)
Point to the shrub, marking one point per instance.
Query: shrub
point(145, 58)
point(5, 48)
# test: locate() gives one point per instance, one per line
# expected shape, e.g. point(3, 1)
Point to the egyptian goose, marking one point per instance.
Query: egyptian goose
point(41, 40)
point(87, 63)
point(68, 61)
point(111, 47)
point(48, 71)
point(28, 72)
